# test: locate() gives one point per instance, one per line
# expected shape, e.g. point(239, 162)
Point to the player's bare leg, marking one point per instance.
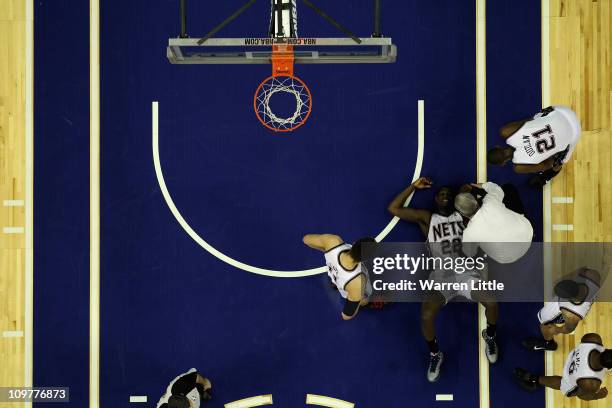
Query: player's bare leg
point(511, 128)
point(553, 382)
point(548, 331)
point(429, 311)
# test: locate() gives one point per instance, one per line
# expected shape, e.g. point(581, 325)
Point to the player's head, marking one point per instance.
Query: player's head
point(356, 251)
point(179, 401)
point(567, 289)
point(466, 204)
point(605, 359)
point(444, 199)
point(500, 155)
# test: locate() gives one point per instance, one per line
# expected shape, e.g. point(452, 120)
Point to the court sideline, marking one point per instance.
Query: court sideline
point(581, 197)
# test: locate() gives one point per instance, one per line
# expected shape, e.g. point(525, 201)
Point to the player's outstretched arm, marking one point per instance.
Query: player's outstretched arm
point(354, 291)
point(571, 322)
point(511, 128)
point(322, 242)
point(204, 381)
point(418, 216)
point(535, 168)
point(588, 390)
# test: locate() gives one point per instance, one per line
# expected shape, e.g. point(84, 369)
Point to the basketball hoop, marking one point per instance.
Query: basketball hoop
point(282, 81)
point(282, 36)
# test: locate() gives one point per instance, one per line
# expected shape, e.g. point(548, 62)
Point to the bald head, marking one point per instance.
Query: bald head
point(466, 204)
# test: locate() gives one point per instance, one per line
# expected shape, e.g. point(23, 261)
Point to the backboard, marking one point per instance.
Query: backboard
point(259, 50)
point(282, 49)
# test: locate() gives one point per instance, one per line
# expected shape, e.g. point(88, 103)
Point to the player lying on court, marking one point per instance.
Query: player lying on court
point(443, 229)
point(583, 373)
point(574, 296)
point(345, 269)
point(539, 145)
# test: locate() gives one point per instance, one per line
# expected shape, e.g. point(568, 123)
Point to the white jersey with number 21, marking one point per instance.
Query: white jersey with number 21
point(577, 367)
point(554, 130)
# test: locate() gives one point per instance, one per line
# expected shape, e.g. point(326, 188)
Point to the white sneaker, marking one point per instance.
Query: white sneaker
point(491, 349)
point(433, 369)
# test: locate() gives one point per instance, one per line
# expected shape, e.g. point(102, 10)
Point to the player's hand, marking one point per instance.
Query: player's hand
point(557, 329)
point(423, 182)
point(466, 188)
point(549, 163)
point(602, 393)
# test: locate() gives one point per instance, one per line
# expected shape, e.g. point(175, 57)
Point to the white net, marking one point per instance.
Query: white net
point(288, 85)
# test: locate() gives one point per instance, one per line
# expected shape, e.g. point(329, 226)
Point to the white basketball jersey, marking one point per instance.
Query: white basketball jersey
point(340, 276)
point(550, 132)
point(445, 233)
point(552, 311)
point(577, 367)
point(193, 395)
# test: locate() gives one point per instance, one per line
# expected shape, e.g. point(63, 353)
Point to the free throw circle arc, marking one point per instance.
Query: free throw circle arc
point(244, 266)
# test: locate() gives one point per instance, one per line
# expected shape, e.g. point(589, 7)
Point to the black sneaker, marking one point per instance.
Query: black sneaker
point(527, 380)
point(491, 350)
point(539, 344)
point(433, 370)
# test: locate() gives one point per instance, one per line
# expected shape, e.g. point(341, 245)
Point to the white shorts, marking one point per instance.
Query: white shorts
point(442, 276)
point(550, 314)
point(564, 121)
point(568, 387)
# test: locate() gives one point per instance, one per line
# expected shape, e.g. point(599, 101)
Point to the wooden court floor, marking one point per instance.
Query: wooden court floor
point(580, 76)
point(15, 240)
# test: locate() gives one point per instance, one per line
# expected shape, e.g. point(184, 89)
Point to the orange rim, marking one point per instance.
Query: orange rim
point(292, 128)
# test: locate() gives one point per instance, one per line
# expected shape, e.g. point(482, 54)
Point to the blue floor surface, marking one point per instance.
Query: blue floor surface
point(167, 304)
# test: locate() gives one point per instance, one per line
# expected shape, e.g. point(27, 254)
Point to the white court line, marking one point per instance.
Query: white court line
point(10, 333)
point(138, 398)
point(28, 362)
point(13, 203)
point(546, 94)
point(481, 169)
point(417, 168)
point(94, 203)
point(546, 191)
point(563, 227)
point(13, 230)
point(251, 402)
point(241, 265)
point(481, 90)
point(444, 397)
point(323, 401)
point(563, 200)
